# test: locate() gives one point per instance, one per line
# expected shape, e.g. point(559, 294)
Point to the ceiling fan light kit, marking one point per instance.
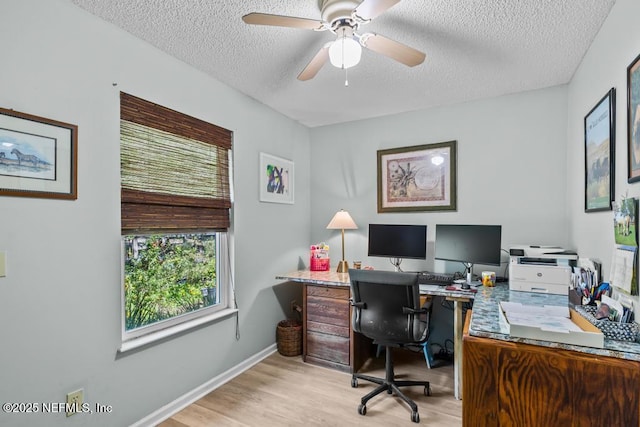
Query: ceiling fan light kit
point(343, 18)
point(345, 52)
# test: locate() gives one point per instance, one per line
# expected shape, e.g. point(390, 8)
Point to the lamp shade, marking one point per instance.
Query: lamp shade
point(342, 221)
point(345, 52)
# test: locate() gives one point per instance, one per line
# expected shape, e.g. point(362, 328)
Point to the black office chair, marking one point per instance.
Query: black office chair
point(386, 308)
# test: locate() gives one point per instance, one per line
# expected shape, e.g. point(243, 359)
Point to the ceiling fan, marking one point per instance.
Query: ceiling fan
point(343, 18)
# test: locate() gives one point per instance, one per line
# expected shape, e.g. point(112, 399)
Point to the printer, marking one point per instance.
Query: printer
point(543, 269)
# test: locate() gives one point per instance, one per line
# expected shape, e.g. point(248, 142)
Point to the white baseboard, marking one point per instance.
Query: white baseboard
point(187, 399)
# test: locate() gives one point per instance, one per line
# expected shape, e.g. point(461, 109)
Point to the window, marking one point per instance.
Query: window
point(175, 202)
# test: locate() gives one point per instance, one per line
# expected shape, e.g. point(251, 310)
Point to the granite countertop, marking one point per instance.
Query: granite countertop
point(462, 294)
point(331, 278)
point(485, 322)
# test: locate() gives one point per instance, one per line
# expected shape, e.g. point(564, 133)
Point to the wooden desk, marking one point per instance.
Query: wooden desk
point(516, 384)
point(514, 381)
point(327, 338)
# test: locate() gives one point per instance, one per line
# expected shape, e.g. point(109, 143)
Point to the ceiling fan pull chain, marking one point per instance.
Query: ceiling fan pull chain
point(346, 77)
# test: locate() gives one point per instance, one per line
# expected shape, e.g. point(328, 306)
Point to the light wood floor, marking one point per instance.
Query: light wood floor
point(284, 391)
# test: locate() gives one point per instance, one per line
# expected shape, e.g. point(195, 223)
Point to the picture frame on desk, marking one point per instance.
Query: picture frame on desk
point(38, 156)
point(276, 179)
point(599, 150)
point(633, 120)
point(417, 178)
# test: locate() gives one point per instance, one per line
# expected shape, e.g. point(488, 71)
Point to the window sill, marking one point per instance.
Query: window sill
point(164, 334)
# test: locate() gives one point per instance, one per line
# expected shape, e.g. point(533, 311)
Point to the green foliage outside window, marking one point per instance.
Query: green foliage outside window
point(167, 276)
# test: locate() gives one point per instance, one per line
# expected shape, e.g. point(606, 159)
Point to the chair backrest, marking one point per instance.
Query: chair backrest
point(384, 305)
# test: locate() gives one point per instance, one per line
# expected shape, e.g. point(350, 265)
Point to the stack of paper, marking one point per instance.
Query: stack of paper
point(547, 317)
point(549, 323)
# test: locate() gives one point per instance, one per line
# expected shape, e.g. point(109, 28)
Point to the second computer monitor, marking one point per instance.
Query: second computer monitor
point(469, 244)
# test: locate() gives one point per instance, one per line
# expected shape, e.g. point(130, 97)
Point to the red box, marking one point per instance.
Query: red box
point(319, 264)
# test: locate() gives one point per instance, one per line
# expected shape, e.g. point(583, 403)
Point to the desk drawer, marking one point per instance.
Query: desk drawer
point(325, 328)
point(328, 310)
point(329, 292)
point(331, 348)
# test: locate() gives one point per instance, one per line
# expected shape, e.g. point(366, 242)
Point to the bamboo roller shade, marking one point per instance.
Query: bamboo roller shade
point(174, 169)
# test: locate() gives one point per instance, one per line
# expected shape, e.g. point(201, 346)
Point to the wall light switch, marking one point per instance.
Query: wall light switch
point(3, 264)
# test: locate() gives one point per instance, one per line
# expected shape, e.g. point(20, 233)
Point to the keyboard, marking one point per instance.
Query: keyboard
point(428, 278)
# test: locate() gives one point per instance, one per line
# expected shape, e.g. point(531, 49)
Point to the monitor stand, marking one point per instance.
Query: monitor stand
point(468, 269)
point(396, 264)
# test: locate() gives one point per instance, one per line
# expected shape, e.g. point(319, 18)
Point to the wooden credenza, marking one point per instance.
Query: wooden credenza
point(514, 384)
point(328, 338)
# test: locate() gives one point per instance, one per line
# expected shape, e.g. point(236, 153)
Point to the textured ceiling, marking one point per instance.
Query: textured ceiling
point(475, 49)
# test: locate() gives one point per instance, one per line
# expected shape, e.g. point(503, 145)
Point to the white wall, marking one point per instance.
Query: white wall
point(60, 302)
point(603, 67)
point(511, 171)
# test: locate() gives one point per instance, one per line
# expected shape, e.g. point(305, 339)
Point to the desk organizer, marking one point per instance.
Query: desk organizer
point(611, 330)
point(319, 257)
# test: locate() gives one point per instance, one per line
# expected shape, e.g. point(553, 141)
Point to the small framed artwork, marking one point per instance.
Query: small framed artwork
point(633, 120)
point(417, 178)
point(38, 156)
point(599, 160)
point(625, 220)
point(276, 179)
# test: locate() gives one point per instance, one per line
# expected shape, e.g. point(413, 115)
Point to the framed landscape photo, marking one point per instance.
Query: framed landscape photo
point(417, 178)
point(633, 120)
point(276, 179)
point(38, 156)
point(625, 221)
point(599, 161)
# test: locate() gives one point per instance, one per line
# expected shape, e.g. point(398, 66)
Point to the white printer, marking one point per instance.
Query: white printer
point(544, 269)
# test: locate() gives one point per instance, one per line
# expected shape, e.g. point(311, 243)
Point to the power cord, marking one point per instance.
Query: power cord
point(443, 353)
point(449, 350)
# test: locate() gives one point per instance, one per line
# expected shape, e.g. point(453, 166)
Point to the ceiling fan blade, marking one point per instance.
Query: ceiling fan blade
point(316, 63)
point(369, 9)
point(393, 49)
point(283, 21)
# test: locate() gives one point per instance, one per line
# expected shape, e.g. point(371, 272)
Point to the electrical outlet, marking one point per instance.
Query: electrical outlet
point(74, 402)
point(292, 307)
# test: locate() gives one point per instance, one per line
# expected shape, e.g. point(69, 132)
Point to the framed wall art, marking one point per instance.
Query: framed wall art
point(417, 178)
point(633, 120)
point(38, 156)
point(276, 179)
point(599, 160)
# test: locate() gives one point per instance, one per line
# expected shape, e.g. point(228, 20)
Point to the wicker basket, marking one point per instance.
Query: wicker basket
point(612, 330)
point(289, 337)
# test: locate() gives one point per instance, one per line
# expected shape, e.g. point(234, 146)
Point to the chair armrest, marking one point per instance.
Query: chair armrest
point(361, 305)
point(407, 310)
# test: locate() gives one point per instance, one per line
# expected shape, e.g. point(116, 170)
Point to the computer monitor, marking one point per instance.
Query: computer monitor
point(398, 241)
point(468, 244)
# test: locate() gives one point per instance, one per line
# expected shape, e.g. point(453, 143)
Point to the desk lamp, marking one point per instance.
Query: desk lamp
point(341, 221)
